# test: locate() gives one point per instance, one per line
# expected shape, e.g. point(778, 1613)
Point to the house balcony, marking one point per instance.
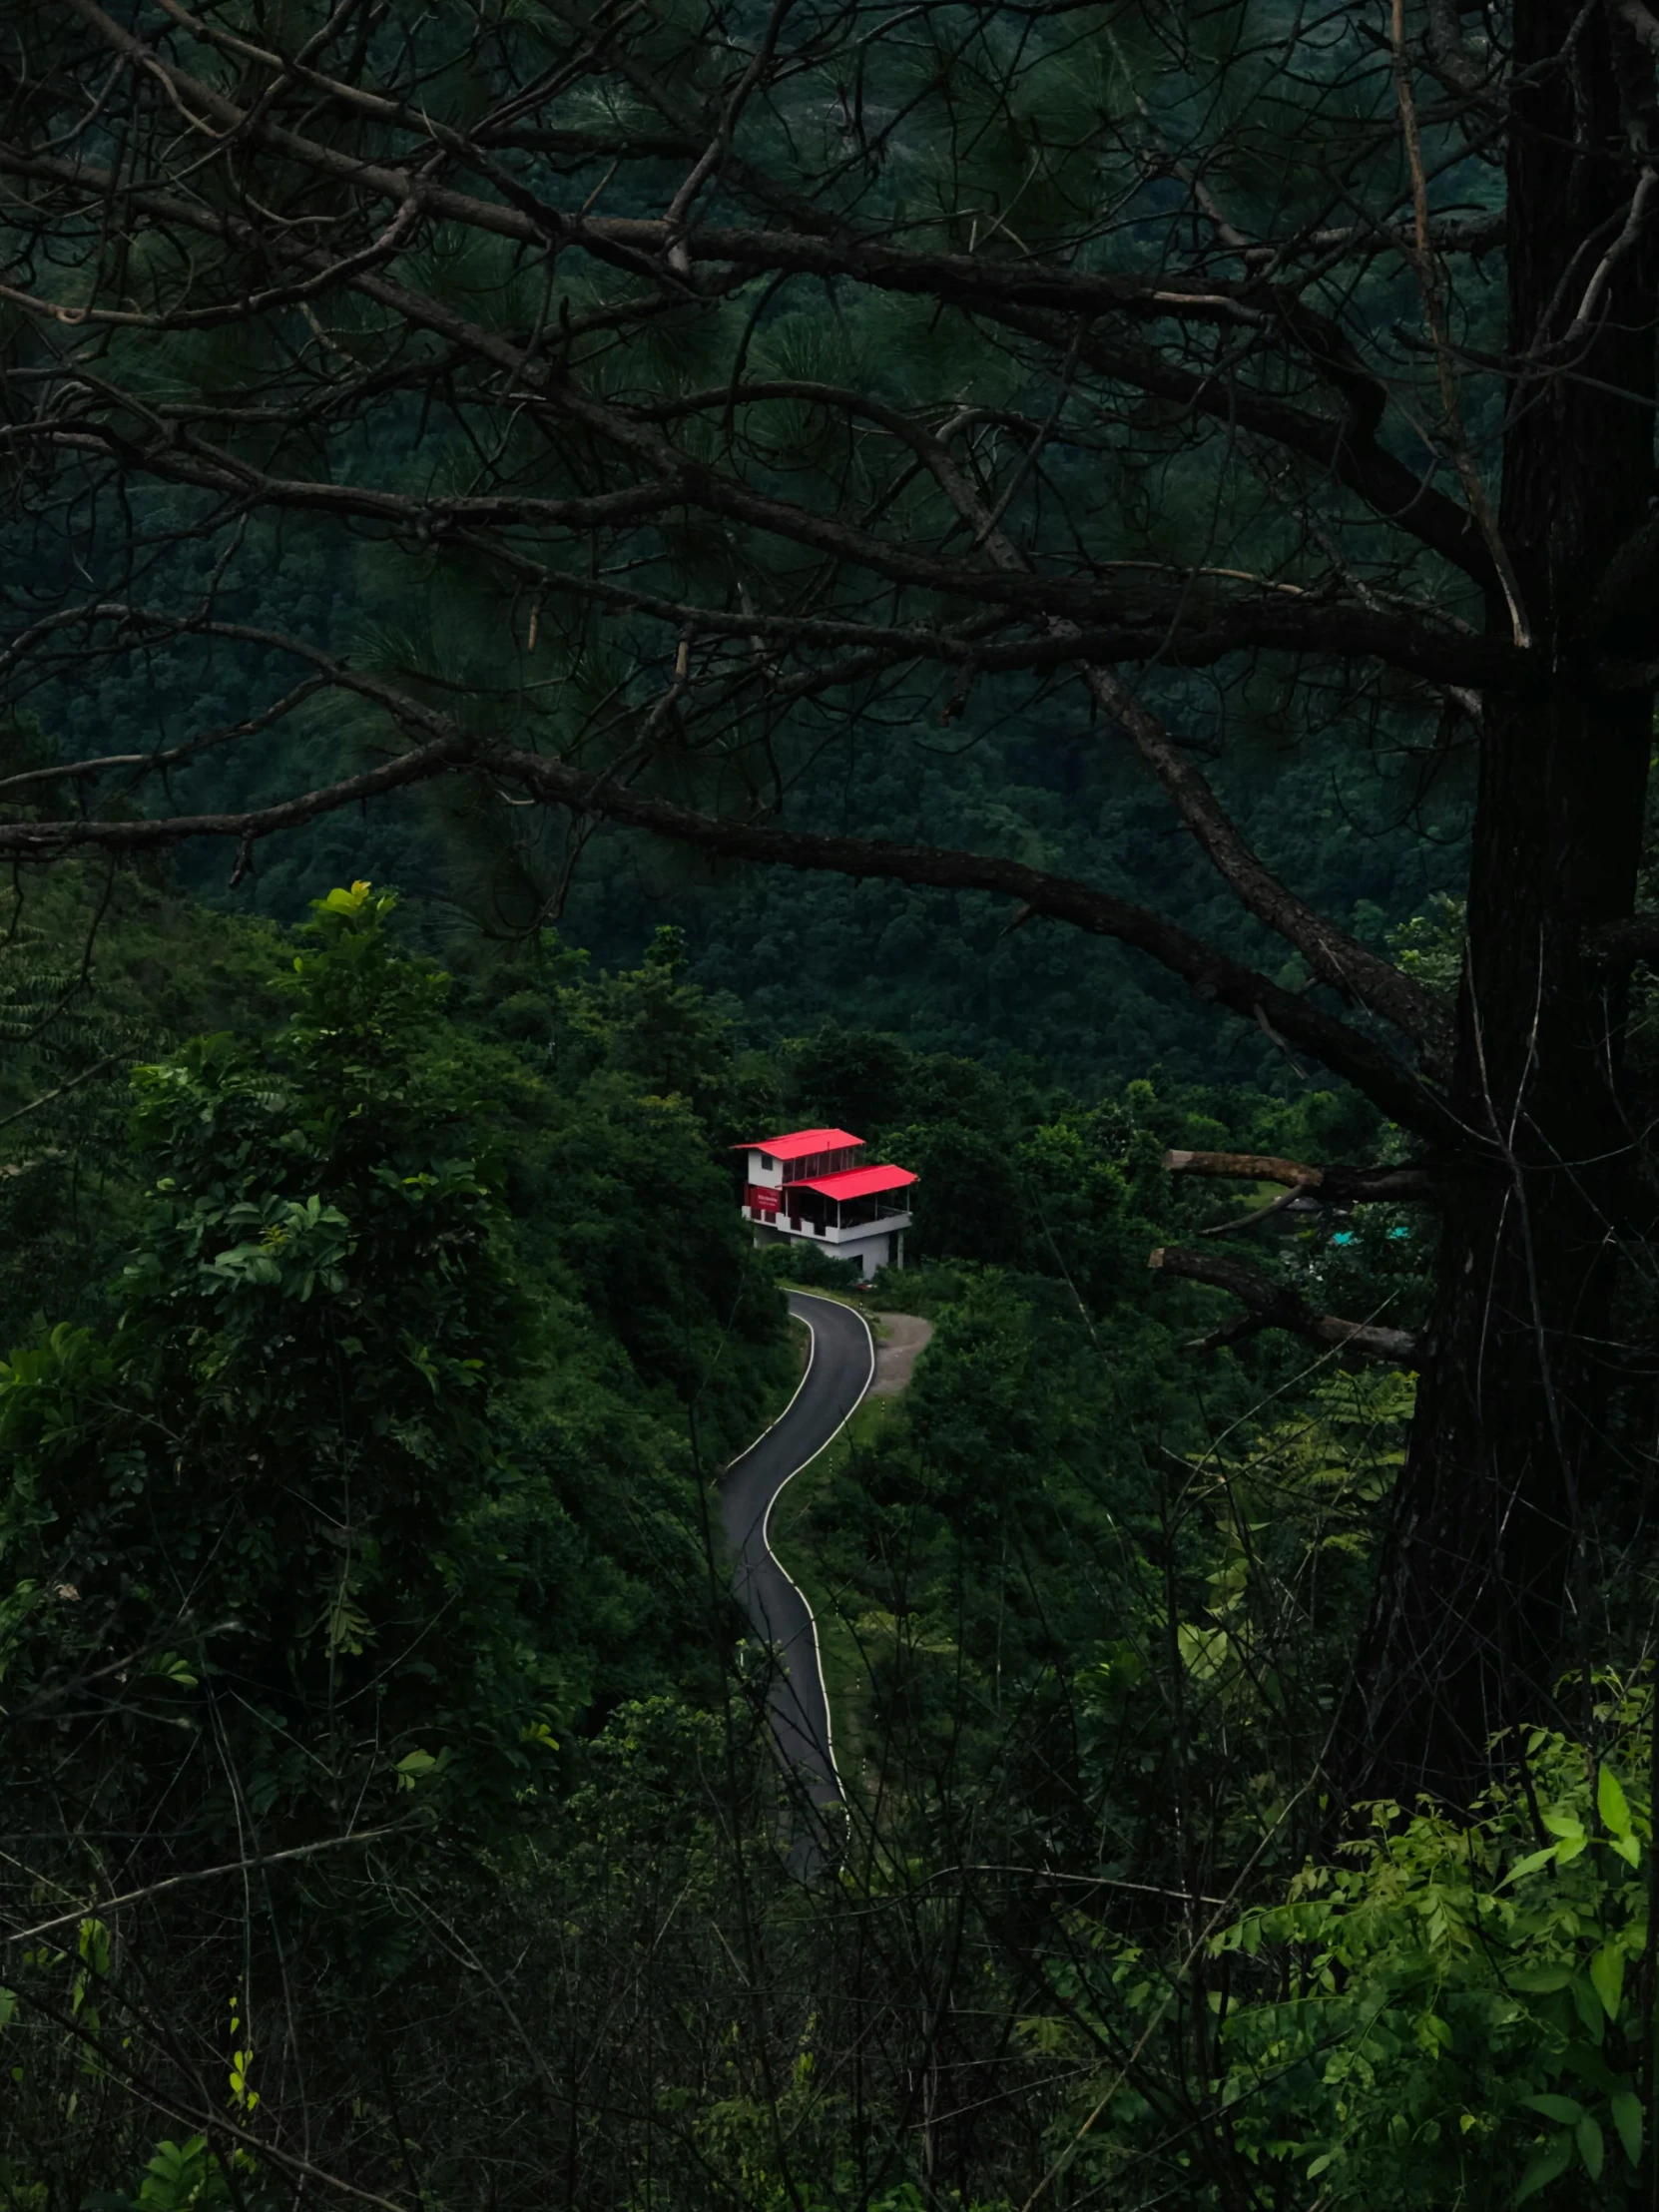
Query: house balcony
point(880, 1221)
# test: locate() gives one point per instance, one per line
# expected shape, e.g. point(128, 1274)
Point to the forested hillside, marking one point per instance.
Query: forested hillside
point(949, 973)
point(374, 1357)
point(1066, 589)
point(1371, 835)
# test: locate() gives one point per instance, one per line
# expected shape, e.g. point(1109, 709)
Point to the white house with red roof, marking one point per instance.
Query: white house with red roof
point(807, 1185)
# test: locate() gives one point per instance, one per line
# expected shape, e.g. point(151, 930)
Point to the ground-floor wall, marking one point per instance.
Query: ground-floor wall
point(882, 1248)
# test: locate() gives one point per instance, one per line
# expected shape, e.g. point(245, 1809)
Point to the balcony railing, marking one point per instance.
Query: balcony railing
point(833, 1232)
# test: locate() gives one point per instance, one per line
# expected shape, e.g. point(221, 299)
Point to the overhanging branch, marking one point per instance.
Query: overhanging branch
point(1020, 292)
point(1209, 973)
point(1337, 959)
point(1386, 1079)
point(1271, 1305)
point(1408, 1183)
point(1626, 944)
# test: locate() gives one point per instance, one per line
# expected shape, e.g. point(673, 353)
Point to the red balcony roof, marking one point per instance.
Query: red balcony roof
point(799, 1143)
point(857, 1182)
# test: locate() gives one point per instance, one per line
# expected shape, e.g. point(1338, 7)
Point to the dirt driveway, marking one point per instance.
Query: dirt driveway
point(898, 1339)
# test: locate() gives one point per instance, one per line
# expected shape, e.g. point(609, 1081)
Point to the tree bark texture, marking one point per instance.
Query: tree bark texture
point(1472, 1626)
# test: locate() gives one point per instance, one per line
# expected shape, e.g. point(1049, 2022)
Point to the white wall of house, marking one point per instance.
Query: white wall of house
point(882, 1246)
point(879, 1250)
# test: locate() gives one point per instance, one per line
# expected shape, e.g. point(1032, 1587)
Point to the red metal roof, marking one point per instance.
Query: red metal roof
point(798, 1143)
point(857, 1182)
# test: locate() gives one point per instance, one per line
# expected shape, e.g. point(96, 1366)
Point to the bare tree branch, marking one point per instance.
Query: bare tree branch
point(1412, 1184)
point(1633, 942)
point(1272, 1306)
point(1211, 974)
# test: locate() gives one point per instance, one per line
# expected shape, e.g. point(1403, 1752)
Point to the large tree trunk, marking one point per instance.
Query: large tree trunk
point(1472, 1628)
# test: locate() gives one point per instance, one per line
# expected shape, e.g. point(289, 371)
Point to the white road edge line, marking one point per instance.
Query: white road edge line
point(766, 1519)
point(811, 1355)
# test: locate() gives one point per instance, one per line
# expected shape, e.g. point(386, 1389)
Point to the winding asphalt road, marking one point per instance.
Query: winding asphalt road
point(840, 1369)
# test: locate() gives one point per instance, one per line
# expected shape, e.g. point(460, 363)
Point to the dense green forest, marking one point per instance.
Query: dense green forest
point(374, 1355)
point(1068, 588)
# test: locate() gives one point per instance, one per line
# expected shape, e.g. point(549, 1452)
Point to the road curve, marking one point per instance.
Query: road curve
point(840, 1369)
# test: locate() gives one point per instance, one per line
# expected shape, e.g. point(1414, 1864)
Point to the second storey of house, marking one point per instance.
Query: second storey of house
point(799, 1156)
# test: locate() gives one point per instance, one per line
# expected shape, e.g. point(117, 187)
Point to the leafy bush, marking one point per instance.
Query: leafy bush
point(285, 1461)
point(1459, 2014)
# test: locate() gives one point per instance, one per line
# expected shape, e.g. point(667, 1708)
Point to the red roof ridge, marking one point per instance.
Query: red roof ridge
point(795, 1144)
point(857, 1182)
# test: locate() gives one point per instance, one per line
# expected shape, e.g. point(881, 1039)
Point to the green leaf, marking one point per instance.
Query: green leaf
point(342, 901)
point(1564, 2109)
point(412, 1766)
point(1542, 1980)
point(1545, 2166)
point(1530, 1864)
point(1562, 1823)
point(1590, 2146)
point(1627, 2118)
point(1587, 2002)
point(1610, 1803)
point(1608, 1979)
